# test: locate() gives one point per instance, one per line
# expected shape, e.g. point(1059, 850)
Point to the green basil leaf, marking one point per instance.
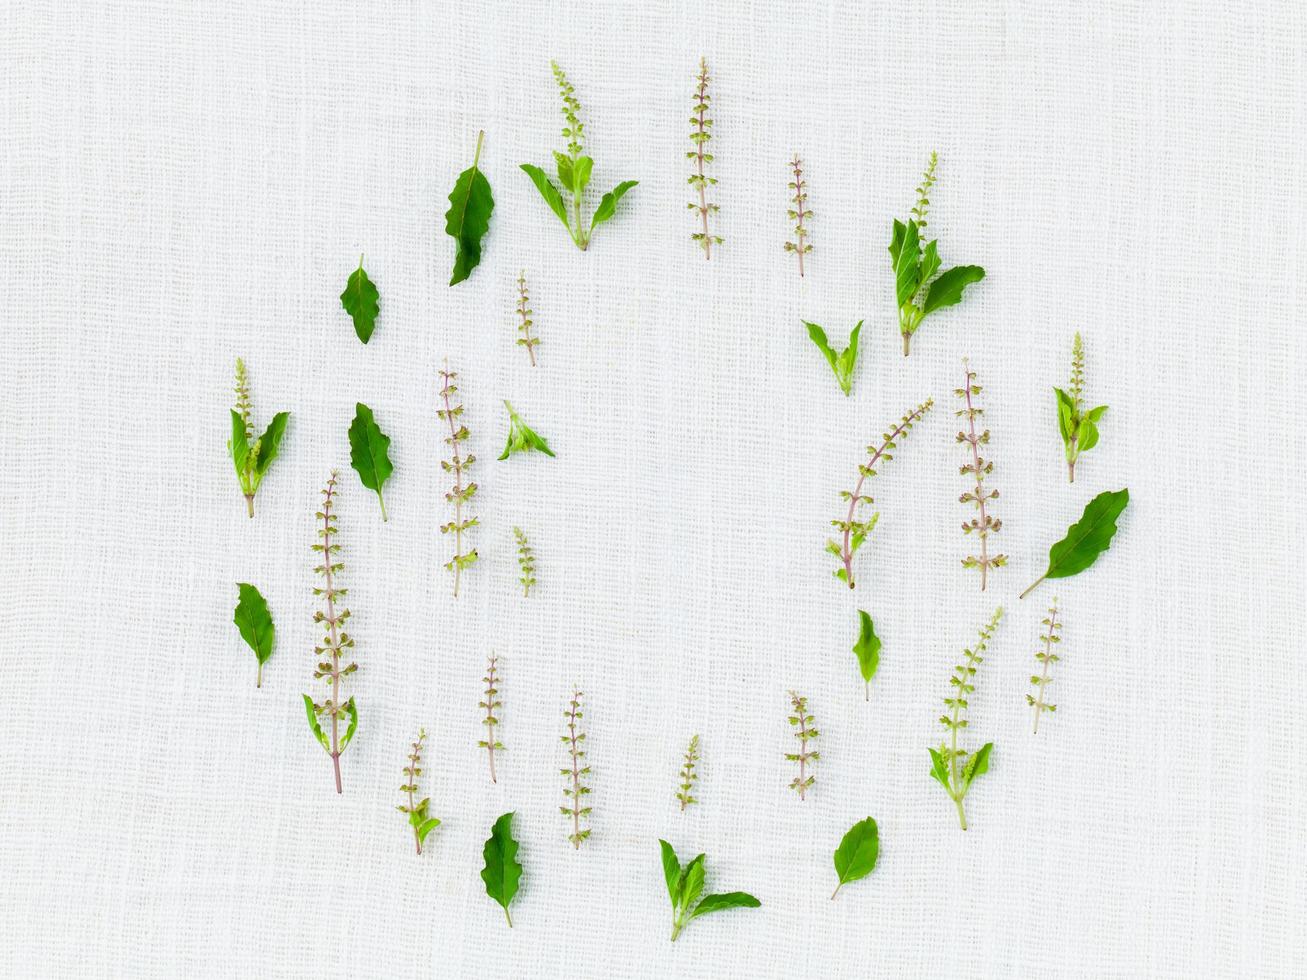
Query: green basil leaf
point(939, 769)
point(1087, 538)
point(521, 437)
point(856, 856)
point(1065, 415)
point(671, 869)
point(977, 765)
point(426, 827)
point(580, 175)
point(929, 261)
point(239, 445)
point(255, 623)
point(729, 900)
point(947, 289)
point(608, 203)
point(548, 192)
point(1088, 435)
point(361, 302)
point(867, 649)
point(691, 883)
point(841, 362)
point(566, 172)
point(905, 251)
point(318, 733)
point(368, 453)
point(270, 442)
point(502, 873)
point(468, 217)
point(353, 713)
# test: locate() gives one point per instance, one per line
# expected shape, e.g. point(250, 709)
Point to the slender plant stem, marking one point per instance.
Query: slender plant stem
point(259, 682)
point(458, 477)
point(1032, 587)
point(846, 555)
point(800, 199)
point(980, 498)
point(490, 715)
point(249, 503)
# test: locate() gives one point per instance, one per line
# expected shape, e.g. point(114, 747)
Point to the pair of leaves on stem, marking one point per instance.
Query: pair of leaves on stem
point(841, 362)
point(521, 437)
point(574, 175)
point(917, 296)
point(1087, 538)
point(350, 710)
point(1079, 429)
point(856, 856)
point(502, 872)
point(255, 624)
point(685, 885)
point(368, 452)
point(976, 765)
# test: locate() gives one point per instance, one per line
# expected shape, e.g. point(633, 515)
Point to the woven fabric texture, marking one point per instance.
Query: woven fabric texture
point(185, 183)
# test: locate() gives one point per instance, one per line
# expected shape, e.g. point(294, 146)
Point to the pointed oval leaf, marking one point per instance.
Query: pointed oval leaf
point(608, 203)
point(362, 302)
point(318, 733)
point(239, 444)
point(548, 192)
point(856, 856)
point(468, 217)
point(270, 442)
point(728, 900)
point(939, 769)
point(426, 827)
point(1088, 537)
point(977, 765)
point(867, 649)
point(671, 869)
point(905, 251)
point(502, 873)
point(368, 452)
point(254, 621)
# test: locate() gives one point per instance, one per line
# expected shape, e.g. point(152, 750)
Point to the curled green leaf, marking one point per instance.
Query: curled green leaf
point(368, 452)
point(521, 437)
point(318, 733)
point(1087, 538)
point(255, 624)
point(361, 302)
point(468, 217)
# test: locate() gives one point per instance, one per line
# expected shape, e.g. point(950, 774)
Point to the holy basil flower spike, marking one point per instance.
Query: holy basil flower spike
point(251, 456)
point(521, 437)
point(574, 169)
point(918, 293)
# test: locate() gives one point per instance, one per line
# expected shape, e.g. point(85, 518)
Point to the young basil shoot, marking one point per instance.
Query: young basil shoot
point(468, 217)
point(574, 173)
point(1079, 427)
point(333, 644)
point(917, 292)
point(685, 885)
point(1086, 539)
point(368, 454)
point(251, 456)
point(521, 437)
point(954, 767)
point(841, 362)
point(418, 819)
point(255, 624)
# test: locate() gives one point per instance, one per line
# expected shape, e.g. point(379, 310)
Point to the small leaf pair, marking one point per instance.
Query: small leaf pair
point(574, 174)
point(255, 624)
point(917, 292)
point(251, 456)
point(841, 362)
point(685, 885)
point(521, 437)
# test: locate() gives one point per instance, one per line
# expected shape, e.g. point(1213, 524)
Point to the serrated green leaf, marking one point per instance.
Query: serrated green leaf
point(468, 217)
point(867, 649)
point(521, 437)
point(1087, 538)
point(691, 884)
point(353, 713)
point(361, 302)
point(939, 770)
point(977, 765)
point(368, 453)
point(318, 733)
point(608, 203)
point(239, 446)
point(502, 873)
point(548, 192)
point(255, 624)
point(929, 261)
point(905, 253)
point(948, 288)
point(1065, 415)
point(270, 442)
point(856, 856)
point(728, 900)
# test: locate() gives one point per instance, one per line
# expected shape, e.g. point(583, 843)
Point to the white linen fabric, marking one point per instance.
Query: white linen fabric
point(185, 183)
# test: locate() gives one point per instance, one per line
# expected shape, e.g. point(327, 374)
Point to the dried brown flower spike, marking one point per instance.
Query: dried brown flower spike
point(799, 213)
point(805, 733)
point(458, 464)
point(983, 524)
point(575, 790)
point(525, 312)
